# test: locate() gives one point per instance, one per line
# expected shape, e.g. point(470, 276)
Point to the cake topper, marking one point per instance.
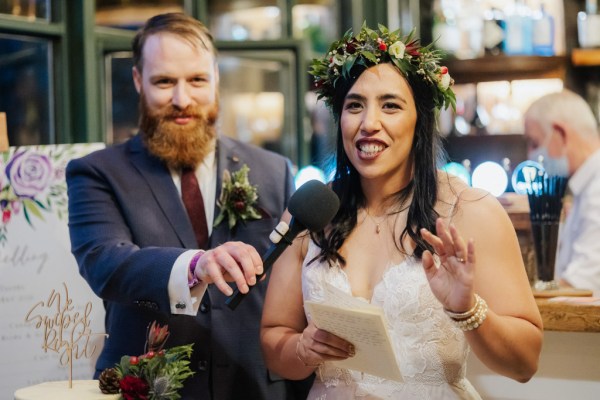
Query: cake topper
point(66, 331)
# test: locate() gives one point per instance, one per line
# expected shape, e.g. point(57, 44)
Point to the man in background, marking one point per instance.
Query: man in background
point(141, 218)
point(561, 128)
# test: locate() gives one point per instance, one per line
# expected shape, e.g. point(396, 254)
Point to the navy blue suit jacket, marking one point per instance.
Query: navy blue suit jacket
point(128, 225)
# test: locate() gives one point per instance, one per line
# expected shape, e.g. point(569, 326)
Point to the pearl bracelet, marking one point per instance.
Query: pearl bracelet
point(471, 319)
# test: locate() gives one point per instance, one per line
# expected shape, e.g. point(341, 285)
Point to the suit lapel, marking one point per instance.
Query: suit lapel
point(165, 193)
point(227, 159)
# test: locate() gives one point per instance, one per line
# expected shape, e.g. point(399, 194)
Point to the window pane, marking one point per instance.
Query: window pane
point(121, 96)
point(258, 99)
point(245, 20)
point(131, 14)
point(316, 21)
point(26, 8)
point(25, 89)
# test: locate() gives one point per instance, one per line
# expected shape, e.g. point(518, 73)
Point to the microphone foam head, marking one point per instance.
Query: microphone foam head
point(314, 205)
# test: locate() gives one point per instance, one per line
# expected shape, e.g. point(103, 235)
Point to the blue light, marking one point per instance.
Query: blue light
point(458, 170)
point(308, 173)
point(524, 174)
point(490, 176)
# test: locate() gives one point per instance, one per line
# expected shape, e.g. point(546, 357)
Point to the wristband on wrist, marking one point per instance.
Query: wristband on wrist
point(192, 278)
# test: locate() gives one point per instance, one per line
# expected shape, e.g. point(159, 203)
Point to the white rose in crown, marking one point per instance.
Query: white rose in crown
point(397, 49)
point(445, 79)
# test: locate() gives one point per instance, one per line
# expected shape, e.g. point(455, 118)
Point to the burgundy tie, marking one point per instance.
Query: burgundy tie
point(192, 199)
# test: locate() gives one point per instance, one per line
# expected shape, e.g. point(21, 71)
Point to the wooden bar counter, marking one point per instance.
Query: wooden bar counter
point(570, 314)
point(569, 362)
point(561, 310)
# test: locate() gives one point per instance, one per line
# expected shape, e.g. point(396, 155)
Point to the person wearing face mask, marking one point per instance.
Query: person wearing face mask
point(562, 133)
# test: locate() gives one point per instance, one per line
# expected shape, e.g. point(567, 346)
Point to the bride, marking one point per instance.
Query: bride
point(399, 241)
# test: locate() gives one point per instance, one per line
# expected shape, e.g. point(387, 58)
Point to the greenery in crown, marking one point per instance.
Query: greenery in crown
point(370, 48)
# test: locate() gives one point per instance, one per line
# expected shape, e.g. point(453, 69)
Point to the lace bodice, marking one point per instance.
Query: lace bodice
point(431, 352)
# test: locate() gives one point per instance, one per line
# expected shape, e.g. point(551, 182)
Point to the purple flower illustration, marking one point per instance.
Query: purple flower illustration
point(29, 173)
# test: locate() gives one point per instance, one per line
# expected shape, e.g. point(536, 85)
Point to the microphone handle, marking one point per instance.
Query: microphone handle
point(268, 259)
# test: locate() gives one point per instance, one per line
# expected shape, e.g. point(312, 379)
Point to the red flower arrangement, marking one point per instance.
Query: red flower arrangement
point(158, 374)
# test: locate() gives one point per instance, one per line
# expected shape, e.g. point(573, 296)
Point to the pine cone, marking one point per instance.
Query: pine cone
point(109, 381)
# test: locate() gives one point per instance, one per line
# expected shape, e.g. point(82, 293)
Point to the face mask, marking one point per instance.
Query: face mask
point(552, 166)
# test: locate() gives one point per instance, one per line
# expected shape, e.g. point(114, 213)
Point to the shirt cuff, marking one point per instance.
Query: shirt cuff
point(182, 299)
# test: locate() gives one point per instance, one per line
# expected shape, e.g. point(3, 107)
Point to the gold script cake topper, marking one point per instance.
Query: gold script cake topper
point(65, 330)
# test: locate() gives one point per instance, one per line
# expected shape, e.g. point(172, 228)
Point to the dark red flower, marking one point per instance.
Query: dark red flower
point(134, 388)
point(350, 47)
point(239, 205)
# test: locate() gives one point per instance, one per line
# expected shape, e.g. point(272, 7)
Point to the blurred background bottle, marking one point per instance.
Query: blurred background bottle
point(458, 28)
point(493, 30)
point(543, 32)
point(518, 30)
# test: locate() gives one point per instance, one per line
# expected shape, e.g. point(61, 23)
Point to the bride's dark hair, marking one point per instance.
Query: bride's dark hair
point(421, 192)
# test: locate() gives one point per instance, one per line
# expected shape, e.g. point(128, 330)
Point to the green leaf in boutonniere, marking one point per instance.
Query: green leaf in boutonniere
point(238, 198)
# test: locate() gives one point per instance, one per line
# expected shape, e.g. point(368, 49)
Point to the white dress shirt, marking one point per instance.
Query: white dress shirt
point(578, 257)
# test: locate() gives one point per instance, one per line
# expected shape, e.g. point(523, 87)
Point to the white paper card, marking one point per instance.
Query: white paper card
point(363, 325)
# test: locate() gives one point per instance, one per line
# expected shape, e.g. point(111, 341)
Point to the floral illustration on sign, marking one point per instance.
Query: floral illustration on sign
point(32, 183)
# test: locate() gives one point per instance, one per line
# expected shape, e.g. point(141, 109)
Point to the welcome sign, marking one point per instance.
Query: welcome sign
point(36, 265)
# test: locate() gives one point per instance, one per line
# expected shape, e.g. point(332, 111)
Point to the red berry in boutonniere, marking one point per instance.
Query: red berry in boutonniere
point(239, 205)
point(134, 360)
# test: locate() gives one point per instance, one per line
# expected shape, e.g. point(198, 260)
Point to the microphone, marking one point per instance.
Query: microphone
point(312, 207)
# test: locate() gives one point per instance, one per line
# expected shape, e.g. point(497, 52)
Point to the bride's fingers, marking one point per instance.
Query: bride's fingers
point(443, 233)
point(459, 244)
point(427, 261)
point(433, 240)
point(471, 251)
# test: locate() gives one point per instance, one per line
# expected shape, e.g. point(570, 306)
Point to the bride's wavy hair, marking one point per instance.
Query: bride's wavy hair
point(421, 192)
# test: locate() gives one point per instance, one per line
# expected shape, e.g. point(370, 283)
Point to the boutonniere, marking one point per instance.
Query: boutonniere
point(237, 199)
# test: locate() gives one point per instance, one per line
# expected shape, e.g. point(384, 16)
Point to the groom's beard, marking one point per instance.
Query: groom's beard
point(179, 146)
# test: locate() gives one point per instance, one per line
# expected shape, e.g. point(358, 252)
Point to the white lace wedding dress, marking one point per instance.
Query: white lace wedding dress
point(431, 352)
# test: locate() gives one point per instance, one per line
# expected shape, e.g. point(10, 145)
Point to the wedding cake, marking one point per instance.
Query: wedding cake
point(59, 390)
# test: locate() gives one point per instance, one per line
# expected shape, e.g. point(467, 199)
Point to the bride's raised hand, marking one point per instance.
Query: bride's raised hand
point(451, 270)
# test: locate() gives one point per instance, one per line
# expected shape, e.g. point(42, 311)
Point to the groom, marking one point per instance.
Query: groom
point(138, 240)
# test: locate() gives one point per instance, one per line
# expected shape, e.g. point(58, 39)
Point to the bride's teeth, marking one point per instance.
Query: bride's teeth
point(371, 148)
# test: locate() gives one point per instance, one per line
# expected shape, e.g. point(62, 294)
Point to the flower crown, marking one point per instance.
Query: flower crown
point(370, 48)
